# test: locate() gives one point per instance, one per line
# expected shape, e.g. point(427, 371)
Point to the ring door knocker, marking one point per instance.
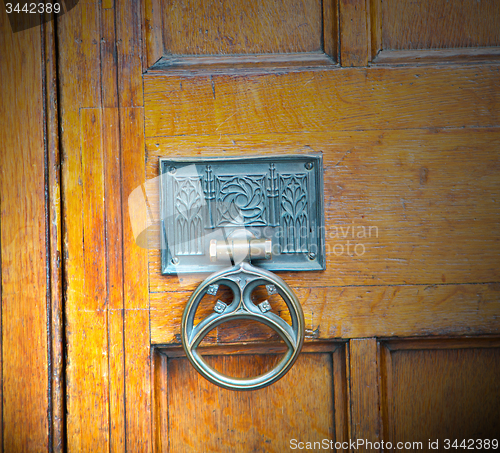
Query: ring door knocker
point(242, 280)
point(221, 211)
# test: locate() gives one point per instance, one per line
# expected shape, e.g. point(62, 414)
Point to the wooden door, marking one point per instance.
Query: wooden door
point(402, 345)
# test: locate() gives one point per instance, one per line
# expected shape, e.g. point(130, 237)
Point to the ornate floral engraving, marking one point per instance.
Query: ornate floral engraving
point(188, 223)
point(294, 213)
point(241, 200)
point(273, 195)
point(209, 191)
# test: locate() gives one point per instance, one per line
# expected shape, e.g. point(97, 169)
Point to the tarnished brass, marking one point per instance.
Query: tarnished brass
point(253, 249)
point(277, 198)
point(220, 215)
point(242, 280)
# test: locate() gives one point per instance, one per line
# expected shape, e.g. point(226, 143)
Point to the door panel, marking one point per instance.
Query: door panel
point(440, 390)
point(308, 403)
point(262, 27)
point(439, 24)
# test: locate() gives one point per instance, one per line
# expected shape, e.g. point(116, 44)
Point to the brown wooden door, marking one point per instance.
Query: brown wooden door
point(402, 99)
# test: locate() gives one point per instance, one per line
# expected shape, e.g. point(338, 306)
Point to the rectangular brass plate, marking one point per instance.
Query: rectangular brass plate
point(272, 197)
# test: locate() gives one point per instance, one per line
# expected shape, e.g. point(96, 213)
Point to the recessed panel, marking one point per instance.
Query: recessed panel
point(194, 415)
point(195, 27)
point(437, 394)
point(440, 24)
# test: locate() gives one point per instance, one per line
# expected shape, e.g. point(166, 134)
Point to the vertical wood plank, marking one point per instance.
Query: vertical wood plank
point(137, 348)
point(354, 36)
point(58, 408)
point(113, 327)
point(92, 228)
point(386, 390)
point(364, 391)
point(154, 31)
point(159, 378)
point(87, 367)
point(330, 28)
point(137, 336)
point(375, 28)
point(114, 264)
point(24, 293)
point(129, 52)
point(109, 69)
point(341, 396)
point(83, 216)
point(113, 221)
point(116, 380)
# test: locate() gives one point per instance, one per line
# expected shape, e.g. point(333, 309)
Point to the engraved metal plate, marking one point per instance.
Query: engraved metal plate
point(273, 197)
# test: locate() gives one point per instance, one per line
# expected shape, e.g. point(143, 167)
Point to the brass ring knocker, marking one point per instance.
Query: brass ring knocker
point(242, 280)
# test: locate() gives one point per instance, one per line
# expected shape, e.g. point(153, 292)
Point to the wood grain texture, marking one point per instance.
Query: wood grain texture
point(331, 28)
point(107, 336)
point(433, 24)
point(355, 47)
point(421, 57)
point(375, 28)
point(325, 100)
point(114, 267)
point(113, 229)
point(129, 50)
point(57, 409)
point(229, 27)
point(364, 391)
point(456, 389)
point(153, 30)
point(299, 406)
point(136, 300)
point(84, 215)
point(238, 65)
point(430, 197)
point(412, 151)
point(356, 312)
point(25, 295)
point(109, 73)
point(341, 397)
point(86, 314)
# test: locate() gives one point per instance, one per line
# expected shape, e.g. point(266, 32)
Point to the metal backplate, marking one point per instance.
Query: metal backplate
point(272, 197)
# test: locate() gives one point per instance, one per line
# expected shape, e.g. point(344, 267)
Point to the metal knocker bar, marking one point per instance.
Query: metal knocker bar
point(242, 280)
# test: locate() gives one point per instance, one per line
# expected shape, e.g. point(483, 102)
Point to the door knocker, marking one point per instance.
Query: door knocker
point(242, 219)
